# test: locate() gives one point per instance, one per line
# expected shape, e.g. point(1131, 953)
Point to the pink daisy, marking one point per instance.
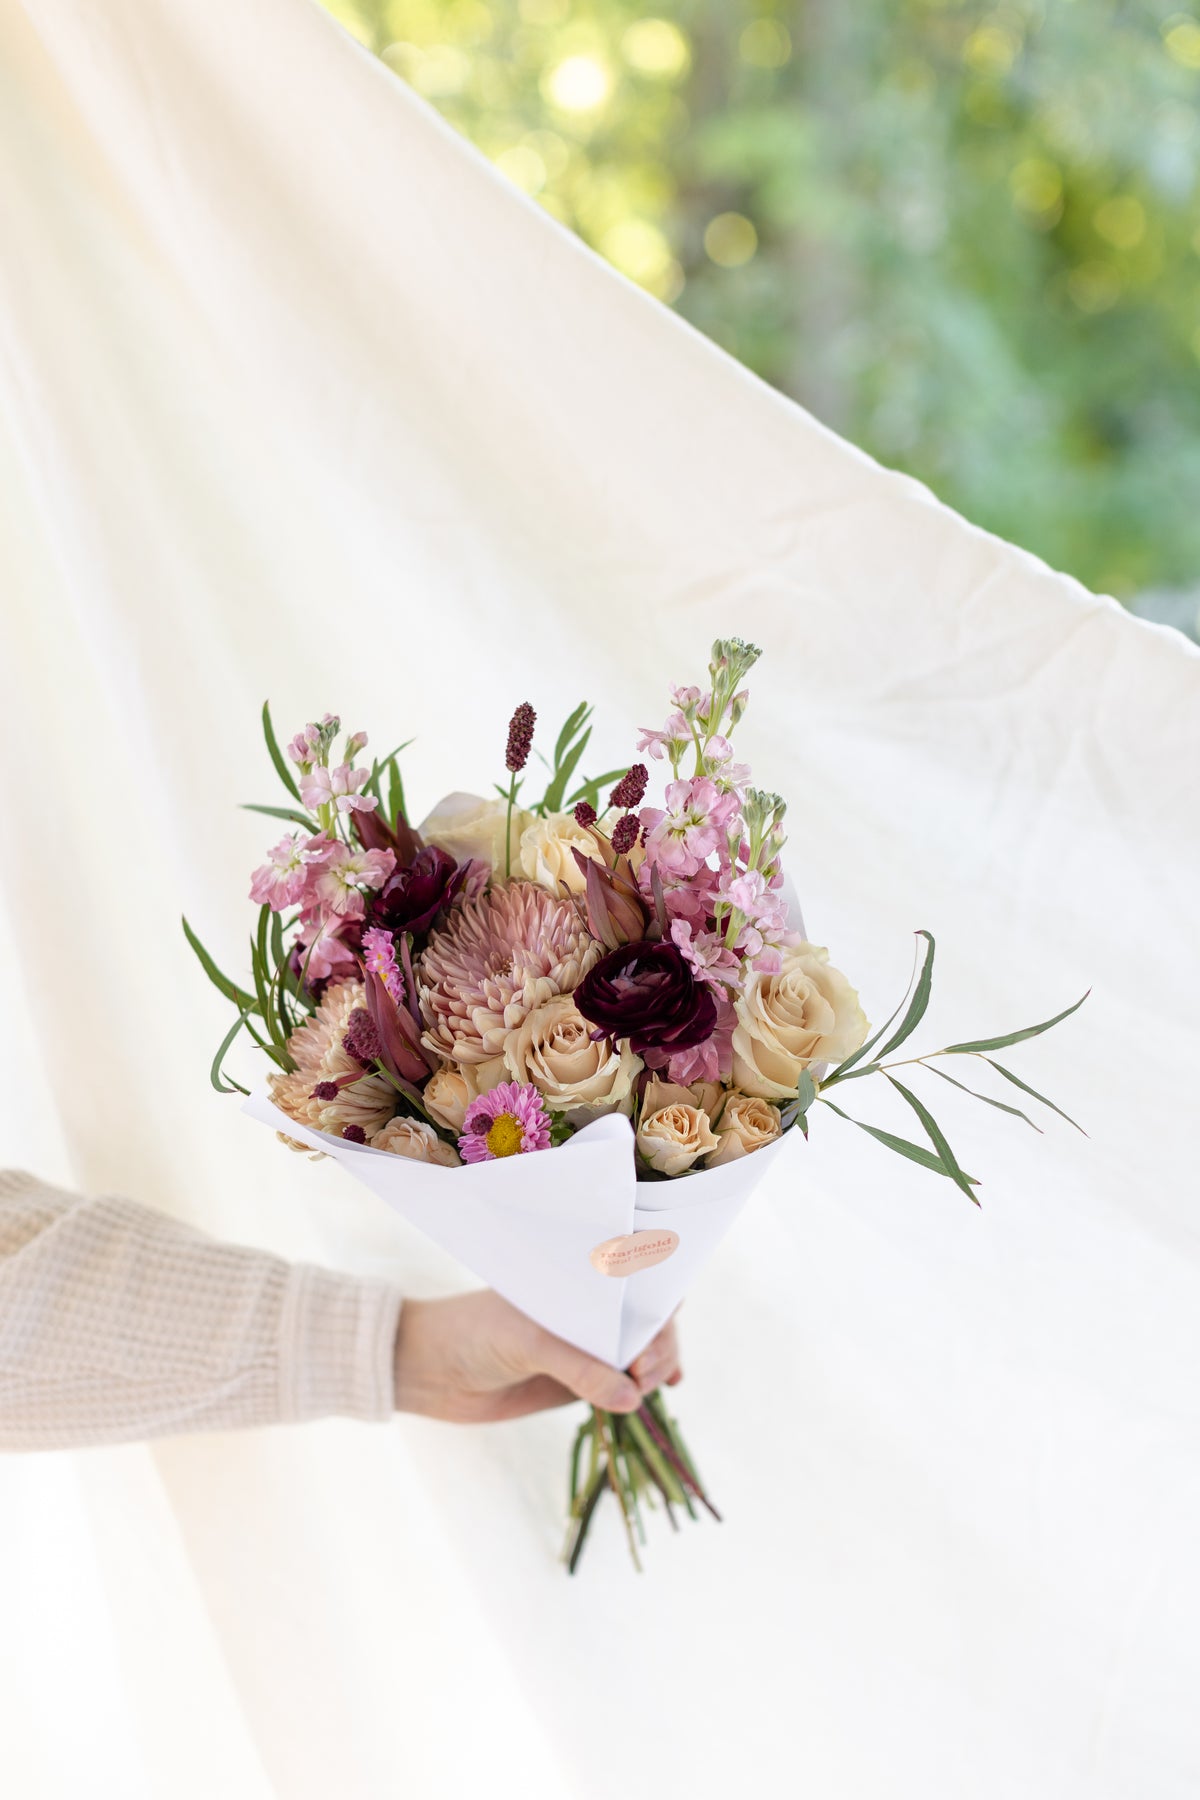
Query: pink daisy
point(508, 1121)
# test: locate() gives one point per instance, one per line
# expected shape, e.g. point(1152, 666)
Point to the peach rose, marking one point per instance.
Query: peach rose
point(673, 1138)
point(706, 1095)
point(553, 1049)
point(546, 853)
point(417, 1140)
point(746, 1123)
point(447, 1095)
point(807, 1013)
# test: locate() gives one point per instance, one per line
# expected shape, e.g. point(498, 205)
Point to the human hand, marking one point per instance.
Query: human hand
point(473, 1358)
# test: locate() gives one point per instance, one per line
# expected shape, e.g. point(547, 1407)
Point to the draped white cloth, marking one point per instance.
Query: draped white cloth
point(300, 400)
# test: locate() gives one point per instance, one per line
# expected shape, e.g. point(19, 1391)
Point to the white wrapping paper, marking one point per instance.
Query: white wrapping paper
point(527, 1224)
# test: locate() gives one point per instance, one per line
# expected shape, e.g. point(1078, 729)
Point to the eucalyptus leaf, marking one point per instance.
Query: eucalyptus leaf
point(902, 1146)
point(936, 1137)
point(573, 725)
point(1014, 1037)
point(918, 1003)
point(976, 1095)
point(1026, 1089)
point(856, 1056)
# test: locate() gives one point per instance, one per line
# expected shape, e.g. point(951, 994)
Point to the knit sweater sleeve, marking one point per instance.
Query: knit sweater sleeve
point(118, 1323)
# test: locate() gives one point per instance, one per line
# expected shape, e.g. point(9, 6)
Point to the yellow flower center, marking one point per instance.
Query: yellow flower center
point(505, 1136)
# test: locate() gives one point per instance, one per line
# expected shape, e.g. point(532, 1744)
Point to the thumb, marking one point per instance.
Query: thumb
point(586, 1376)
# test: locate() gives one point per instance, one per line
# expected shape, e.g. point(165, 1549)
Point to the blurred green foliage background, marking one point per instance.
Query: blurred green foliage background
point(966, 235)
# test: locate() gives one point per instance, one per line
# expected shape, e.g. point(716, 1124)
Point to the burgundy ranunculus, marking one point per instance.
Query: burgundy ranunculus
point(647, 993)
point(411, 898)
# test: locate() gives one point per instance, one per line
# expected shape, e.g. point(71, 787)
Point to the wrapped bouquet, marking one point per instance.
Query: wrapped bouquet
point(586, 972)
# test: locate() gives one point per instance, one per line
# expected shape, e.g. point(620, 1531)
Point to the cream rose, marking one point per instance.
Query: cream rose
point(673, 1138)
point(417, 1140)
point(807, 1013)
point(546, 853)
point(553, 1049)
point(468, 826)
point(746, 1123)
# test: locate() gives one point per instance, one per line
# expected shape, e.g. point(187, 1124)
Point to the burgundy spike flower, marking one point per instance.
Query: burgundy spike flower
point(520, 737)
point(585, 815)
point(630, 791)
point(625, 833)
point(362, 1040)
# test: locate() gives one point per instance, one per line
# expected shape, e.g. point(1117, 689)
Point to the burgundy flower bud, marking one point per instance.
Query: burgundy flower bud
point(362, 1040)
point(354, 1134)
point(411, 897)
point(625, 833)
point(585, 815)
point(646, 992)
point(630, 791)
point(520, 737)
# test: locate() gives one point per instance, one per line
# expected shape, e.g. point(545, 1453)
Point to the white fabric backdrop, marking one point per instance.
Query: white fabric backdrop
point(299, 399)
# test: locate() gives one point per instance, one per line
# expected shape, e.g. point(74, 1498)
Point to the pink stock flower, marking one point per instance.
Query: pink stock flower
point(711, 958)
point(282, 879)
point(682, 838)
point(731, 777)
point(676, 732)
point(711, 1060)
point(509, 1120)
point(321, 952)
point(302, 748)
point(336, 787)
point(379, 959)
point(342, 876)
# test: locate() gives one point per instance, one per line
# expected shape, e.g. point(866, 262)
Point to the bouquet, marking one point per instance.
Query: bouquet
point(589, 973)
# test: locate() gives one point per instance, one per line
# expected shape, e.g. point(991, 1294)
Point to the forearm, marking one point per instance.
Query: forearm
point(117, 1323)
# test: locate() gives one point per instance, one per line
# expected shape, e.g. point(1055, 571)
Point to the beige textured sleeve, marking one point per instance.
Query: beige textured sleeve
point(118, 1323)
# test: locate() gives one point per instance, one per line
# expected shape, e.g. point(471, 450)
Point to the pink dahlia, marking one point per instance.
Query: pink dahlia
point(507, 1121)
point(494, 960)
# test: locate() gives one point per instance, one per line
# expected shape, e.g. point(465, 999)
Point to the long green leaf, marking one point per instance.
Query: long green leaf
point(856, 1056)
point(590, 791)
point(281, 768)
point(1014, 1037)
point(914, 1152)
point(976, 1095)
point(222, 983)
point(1026, 1089)
point(918, 1003)
point(571, 728)
point(282, 812)
point(215, 1072)
point(553, 798)
point(936, 1137)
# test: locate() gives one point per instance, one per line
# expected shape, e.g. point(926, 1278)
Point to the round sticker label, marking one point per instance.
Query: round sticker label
point(636, 1250)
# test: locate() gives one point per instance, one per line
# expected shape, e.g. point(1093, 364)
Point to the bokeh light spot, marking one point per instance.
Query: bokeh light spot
point(1094, 286)
point(765, 44)
point(578, 84)
point(1121, 221)
point(1182, 39)
point(523, 167)
point(730, 240)
point(1037, 189)
point(657, 48)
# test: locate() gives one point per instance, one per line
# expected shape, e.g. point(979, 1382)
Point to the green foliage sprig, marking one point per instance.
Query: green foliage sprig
point(938, 1155)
